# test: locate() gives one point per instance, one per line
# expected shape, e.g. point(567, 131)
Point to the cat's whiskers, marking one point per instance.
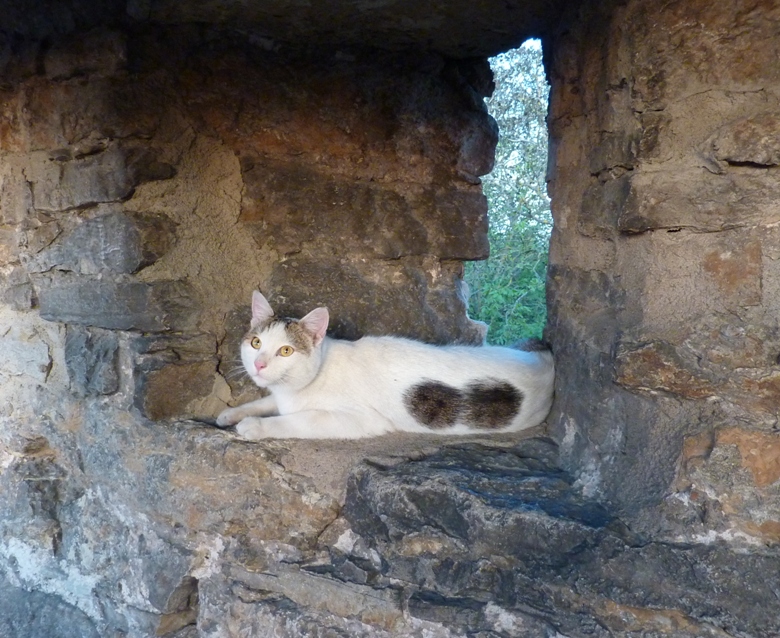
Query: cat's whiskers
point(235, 373)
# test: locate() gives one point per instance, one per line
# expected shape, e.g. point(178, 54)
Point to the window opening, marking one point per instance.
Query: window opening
point(508, 289)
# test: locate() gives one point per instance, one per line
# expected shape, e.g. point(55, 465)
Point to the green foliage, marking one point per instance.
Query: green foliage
point(508, 290)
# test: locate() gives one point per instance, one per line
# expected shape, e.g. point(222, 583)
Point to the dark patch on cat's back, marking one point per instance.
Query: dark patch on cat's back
point(434, 404)
point(492, 404)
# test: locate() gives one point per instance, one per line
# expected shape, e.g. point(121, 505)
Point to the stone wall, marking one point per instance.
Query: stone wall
point(151, 180)
point(152, 176)
point(665, 126)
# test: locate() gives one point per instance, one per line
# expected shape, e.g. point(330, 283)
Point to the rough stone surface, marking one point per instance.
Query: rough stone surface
point(62, 184)
point(25, 614)
point(173, 374)
point(155, 169)
point(151, 307)
point(112, 243)
point(663, 268)
point(481, 535)
point(149, 181)
point(292, 207)
point(92, 359)
point(351, 292)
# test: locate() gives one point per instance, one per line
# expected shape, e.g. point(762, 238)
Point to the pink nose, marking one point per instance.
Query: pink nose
point(260, 365)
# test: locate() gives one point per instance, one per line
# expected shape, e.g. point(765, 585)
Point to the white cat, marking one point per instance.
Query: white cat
point(329, 388)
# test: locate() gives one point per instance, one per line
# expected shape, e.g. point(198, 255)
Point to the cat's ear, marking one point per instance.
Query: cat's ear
point(261, 309)
point(316, 324)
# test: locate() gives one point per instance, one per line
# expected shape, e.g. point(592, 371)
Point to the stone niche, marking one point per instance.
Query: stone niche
point(153, 178)
point(160, 160)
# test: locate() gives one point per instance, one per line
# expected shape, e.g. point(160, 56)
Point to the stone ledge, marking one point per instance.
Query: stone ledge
point(443, 534)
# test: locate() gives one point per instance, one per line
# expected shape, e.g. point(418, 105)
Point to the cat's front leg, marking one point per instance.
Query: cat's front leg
point(311, 424)
point(251, 428)
point(260, 407)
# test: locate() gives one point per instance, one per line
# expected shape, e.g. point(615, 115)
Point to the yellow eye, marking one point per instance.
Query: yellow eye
point(256, 343)
point(286, 351)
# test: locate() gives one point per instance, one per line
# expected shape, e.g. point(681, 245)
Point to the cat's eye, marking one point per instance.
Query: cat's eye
point(286, 351)
point(256, 343)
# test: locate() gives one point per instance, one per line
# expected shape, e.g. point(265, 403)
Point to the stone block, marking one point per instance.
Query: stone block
point(658, 366)
point(91, 357)
point(65, 181)
point(62, 115)
point(25, 353)
point(736, 267)
point(442, 493)
point(752, 141)
point(10, 244)
point(15, 196)
point(603, 205)
point(16, 288)
point(759, 451)
point(230, 365)
point(30, 614)
point(695, 198)
point(621, 584)
point(458, 225)
point(616, 152)
point(757, 389)
point(290, 205)
point(119, 242)
point(684, 280)
point(165, 393)
point(172, 371)
point(729, 476)
point(20, 297)
point(476, 137)
point(64, 185)
point(148, 307)
point(42, 231)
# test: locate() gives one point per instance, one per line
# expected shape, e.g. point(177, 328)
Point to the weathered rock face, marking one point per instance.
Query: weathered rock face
point(663, 262)
point(154, 170)
point(150, 180)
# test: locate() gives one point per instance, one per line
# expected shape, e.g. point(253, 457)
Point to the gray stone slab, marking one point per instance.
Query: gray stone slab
point(148, 307)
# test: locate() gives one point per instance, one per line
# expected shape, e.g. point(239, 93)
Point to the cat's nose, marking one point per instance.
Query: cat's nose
point(260, 365)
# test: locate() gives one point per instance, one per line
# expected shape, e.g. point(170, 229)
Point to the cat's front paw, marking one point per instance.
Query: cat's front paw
point(228, 417)
point(252, 429)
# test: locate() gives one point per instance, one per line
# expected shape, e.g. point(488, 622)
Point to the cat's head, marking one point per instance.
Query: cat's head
point(283, 352)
